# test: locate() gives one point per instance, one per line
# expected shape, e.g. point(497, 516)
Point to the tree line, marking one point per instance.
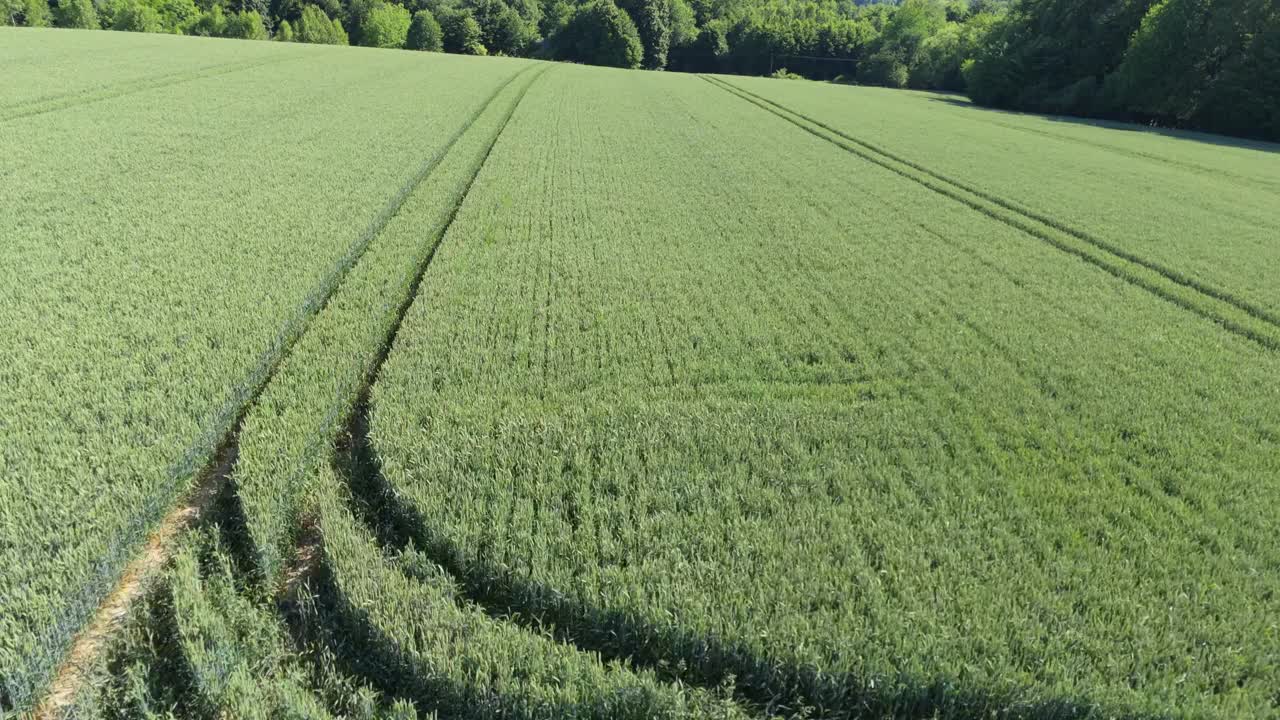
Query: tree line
point(1203, 64)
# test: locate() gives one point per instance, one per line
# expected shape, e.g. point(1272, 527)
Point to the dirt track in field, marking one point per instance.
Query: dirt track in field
point(90, 646)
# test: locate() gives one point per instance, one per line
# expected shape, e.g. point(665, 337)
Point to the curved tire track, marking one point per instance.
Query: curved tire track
point(86, 650)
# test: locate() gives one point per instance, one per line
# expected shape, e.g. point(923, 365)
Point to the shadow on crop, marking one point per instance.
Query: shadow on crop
point(146, 672)
point(766, 684)
point(1134, 125)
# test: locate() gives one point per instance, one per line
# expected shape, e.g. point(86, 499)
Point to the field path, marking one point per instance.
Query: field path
point(87, 650)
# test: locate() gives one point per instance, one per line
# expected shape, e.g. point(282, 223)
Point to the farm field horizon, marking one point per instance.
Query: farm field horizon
point(365, 383)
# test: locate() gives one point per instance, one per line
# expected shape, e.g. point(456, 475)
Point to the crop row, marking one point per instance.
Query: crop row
point(120, 392)
point(684, 412)
point(46, 68)
point(398, 623)
point(1216, 305)
point(229, 653)
point(404, 621)
point(292, 427)
point(1213, 223)
point(783, 419)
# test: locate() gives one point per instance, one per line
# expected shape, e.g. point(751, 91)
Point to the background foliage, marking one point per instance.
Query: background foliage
point(1201, 64)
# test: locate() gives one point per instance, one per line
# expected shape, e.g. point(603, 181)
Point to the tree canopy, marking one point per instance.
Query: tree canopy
point(424, 33)
point(600, 34)
point(385, 26)
point(1203, 64)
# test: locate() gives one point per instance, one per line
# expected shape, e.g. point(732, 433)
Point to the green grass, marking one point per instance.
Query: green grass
point(701, 396)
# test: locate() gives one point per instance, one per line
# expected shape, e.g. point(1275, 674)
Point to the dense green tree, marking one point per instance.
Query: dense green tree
point(653, 20)
point(903, 43)
point(77, 14)
point(157, 16)
point(1054, 55)
point(289, 10)
point(600, 33)
point(814, 38)
point(555, 15)
point(36, 13)
point(502, 28)
point(133, 16)
point(707, 50)
point(424, 33)
point(314, 26)
point(510, 33)
point(684, 25)
point(211, 23)
point(1245, 99)
point(460, 33)
point(31, 13)
point(529, 10)
point(941, 57)
point(385, 26)
point(284, 31)
point(353, 14)
point(246, 25)
point(1206, 64)
point(1202, 64)
point(703, 12)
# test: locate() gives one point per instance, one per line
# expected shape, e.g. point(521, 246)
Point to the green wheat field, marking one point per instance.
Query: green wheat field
point(536, 390)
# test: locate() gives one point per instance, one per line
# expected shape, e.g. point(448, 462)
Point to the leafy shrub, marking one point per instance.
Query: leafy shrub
point(884, 68)
point(601, 34)
point(35, 13)
point(314, 26)
point(424, 32)
point(386, 26)
point(133, 16)
point(460, 33)
point(77, 14)
point(504, 29)
point(246, 26)
point(212, 23)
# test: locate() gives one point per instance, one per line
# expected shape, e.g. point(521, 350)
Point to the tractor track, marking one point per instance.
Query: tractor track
point(88, 648)
point(110, 92)
point(1221, 307)
point(306, 567)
